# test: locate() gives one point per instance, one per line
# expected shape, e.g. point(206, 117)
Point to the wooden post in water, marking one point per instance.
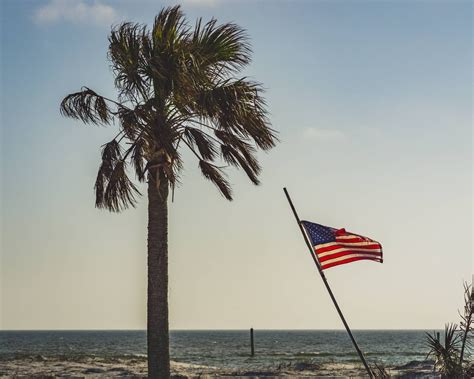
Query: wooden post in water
point(252, 347)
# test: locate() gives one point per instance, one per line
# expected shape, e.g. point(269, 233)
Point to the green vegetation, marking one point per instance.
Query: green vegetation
point(450, 355)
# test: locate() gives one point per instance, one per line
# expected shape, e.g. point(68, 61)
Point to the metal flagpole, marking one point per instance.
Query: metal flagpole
point(323, 277)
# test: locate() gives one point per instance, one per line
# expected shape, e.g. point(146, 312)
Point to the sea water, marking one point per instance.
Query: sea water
point(224, 349)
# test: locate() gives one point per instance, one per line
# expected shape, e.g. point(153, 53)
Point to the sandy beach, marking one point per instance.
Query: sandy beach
point(136, 367)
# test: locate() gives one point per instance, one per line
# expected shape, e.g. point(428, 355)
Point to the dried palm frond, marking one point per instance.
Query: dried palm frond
point(248, 163)
point(86, 106)
point(120, 191)
point(111, 154)
point(215, 175)
point(129, 122)
point(114, 191)
point(137, 158)
point(202, 141)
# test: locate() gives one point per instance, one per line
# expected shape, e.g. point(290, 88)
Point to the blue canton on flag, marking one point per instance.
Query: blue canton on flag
point(319, 234)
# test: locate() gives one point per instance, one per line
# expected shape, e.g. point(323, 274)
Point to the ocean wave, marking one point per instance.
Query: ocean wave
point(71, 357)
point(352, 354)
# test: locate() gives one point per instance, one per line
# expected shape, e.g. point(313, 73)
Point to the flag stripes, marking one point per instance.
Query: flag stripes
point(348, 248)
point(334, 247)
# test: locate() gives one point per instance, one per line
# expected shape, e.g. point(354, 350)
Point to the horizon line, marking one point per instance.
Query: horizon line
point(211, 330)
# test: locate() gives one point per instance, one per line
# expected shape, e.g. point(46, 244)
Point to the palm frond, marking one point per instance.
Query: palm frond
point(114, 191)
point(169, 28)
point(222, 48)
point(168, 38)
point(111, 154)
point(446, 355)
point(86, 106)
point(129, 122)
point(213, 173)
point(137, 158)
point(120, 191)
point(128, 62)
point(204, 143)
point(243, 145)
point(176, 168)
point(249, 164)
point(237, 106)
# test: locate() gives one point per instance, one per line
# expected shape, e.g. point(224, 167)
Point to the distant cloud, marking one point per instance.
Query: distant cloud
point(323, 134)
point(76, 11)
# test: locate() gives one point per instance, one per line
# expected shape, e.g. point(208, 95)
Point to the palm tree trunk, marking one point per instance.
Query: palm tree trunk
point(157, 310)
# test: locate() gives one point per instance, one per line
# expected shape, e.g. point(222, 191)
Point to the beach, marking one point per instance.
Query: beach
point(325, 353)
point(136, 367)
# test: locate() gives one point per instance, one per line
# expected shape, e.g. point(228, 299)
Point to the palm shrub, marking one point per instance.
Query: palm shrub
point(446, 354)
point(450, 357)
point(177, 88)
point(467, 322)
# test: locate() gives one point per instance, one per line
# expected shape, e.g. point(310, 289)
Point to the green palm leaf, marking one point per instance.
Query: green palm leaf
point(446, 355)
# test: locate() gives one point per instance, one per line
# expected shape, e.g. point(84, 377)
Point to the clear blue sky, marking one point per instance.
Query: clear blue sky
point(373, 103)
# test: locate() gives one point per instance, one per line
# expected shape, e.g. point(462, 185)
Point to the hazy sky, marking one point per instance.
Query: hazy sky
point(372, 101)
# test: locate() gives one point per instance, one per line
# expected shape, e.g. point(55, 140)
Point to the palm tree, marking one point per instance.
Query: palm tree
point(177, 88)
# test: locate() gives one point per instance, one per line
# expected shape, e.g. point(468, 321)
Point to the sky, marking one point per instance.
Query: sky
point(373, 105)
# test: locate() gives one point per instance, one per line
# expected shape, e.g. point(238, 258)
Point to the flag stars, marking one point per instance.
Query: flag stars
point(319, 234)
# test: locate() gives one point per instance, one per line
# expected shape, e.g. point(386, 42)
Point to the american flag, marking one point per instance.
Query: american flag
point(335, 247)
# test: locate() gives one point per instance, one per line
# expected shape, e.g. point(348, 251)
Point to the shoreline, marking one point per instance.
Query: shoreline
point(136, 367)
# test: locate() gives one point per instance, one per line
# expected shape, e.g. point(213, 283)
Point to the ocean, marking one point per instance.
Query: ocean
point(228, 349)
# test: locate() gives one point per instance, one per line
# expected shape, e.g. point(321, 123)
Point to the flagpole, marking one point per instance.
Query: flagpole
point(323, 277)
